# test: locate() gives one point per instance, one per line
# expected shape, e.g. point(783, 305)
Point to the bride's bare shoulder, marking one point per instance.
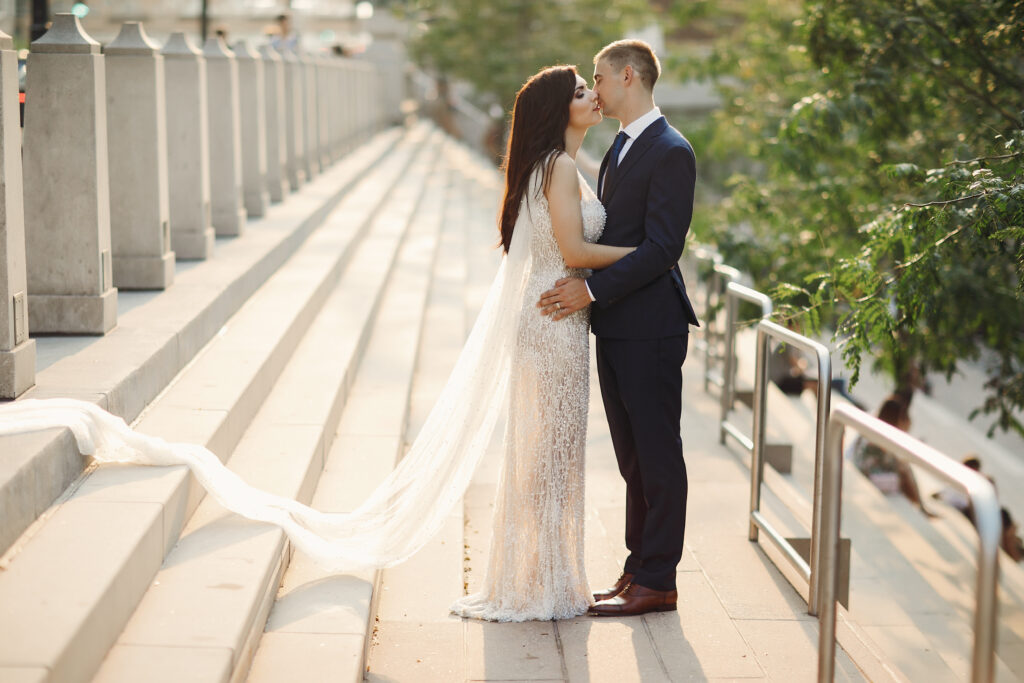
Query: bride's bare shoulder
point(564, 176)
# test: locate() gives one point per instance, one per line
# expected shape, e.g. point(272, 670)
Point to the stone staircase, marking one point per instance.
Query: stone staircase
point(110, 567)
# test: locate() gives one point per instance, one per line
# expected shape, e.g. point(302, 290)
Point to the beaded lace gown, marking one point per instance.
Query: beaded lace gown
point(536, 567)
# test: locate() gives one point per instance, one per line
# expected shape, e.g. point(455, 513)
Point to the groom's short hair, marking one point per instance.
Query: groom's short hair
point(635, 53)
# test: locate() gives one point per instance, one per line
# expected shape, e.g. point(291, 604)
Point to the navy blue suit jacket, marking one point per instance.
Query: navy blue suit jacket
point(649, 206)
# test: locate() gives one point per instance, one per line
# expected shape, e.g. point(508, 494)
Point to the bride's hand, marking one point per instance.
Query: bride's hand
point(568, 296)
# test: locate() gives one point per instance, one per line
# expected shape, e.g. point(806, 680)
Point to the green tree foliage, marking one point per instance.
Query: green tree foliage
point(495, 45)
point(835, 113)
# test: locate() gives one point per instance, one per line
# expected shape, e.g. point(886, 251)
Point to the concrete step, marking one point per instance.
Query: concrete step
point(218, 583)
point(72, 582)
point(414, 636)
point(157, 335)
point(321, 624)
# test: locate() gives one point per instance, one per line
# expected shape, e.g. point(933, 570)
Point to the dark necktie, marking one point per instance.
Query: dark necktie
point(613, 160)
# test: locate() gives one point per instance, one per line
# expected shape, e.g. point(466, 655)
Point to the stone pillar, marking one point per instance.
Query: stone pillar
point(349, 101)
point(67, 196)
point(323, 110)
point(137, 152)
point(364, 112)
point(227, 211)
point(295, 146)
point(310, 128)
point(17, 351)
point(253, 131)
point(277, 154)
point(337, 104)
point(188, 149)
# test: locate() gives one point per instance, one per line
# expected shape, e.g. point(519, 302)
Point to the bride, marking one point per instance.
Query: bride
point(536, 568)
point(549, 221)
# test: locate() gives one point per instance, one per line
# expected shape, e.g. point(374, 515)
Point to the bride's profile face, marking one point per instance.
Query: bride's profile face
point(584, 110)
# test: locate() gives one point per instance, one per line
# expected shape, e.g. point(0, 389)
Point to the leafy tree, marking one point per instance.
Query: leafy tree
point(495, 45)
point(835, 111)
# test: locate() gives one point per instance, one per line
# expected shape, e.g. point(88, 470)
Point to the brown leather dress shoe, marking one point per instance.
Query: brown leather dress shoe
point(619, 586)
point(636, 600)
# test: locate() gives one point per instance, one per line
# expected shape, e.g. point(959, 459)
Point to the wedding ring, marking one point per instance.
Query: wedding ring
point(558, 305)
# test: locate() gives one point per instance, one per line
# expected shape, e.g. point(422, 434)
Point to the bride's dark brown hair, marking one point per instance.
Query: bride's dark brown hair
point(539, 119)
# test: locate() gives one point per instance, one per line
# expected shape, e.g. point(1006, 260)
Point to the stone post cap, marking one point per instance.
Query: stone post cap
point(180, 45)
point(216, 48)
point(132, 40)
point(242, 50)
point(269, 54)
point(6, 42)
point(66, 36)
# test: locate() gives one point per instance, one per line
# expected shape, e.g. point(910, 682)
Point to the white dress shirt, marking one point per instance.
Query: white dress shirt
point(633, 130)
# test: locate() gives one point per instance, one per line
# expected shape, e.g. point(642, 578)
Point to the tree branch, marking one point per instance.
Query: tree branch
point(944, 203)
point(976, 159)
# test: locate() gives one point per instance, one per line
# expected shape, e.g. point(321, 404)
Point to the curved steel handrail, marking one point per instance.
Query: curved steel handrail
point(987, 521)
point(734, 293)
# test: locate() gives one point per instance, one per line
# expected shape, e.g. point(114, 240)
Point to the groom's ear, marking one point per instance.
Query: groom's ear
point(627, 74)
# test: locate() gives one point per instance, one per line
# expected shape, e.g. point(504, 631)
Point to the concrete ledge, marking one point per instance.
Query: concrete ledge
point(17, 370)
point(193, 246)
point(144, 272)
point(72, 314)
point(126, 369)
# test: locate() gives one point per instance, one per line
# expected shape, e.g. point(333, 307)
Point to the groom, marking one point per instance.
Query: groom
point(641, 321)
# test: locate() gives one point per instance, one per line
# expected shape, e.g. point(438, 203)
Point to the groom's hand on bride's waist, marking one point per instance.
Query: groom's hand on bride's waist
point(569, 295)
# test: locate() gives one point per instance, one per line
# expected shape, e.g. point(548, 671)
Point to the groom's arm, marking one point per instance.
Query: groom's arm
point(666, 222)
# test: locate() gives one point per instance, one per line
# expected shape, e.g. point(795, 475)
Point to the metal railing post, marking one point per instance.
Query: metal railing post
point(767, 330)
point(828, 555)
point(697, 254)
point(757, 436)
point(735, 292)
point(987, 523)
point(824, 400)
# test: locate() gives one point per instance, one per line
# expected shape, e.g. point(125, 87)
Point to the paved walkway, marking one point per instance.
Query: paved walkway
point(738, 617)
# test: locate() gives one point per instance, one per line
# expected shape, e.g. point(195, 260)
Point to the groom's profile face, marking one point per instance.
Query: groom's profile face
point(608, 85)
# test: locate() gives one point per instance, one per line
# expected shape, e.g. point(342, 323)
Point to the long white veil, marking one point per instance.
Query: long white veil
point(401, 514)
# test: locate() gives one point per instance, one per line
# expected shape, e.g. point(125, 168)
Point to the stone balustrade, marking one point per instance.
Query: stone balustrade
point(188, 159)
point(140, 231)
point(277, 153)
point(135, 155)
point(67, 184)
point(295, 137)
point(253, 128)
point(17, 351)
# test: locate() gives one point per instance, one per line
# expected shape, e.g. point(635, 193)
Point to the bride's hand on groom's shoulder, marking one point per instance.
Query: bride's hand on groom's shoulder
point(568, 296)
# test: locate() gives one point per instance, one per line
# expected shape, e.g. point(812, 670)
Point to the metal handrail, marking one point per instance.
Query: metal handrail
point(987, 521)
point(721, 276)
point(767, 330)
point(734, 293)
point(701, 254)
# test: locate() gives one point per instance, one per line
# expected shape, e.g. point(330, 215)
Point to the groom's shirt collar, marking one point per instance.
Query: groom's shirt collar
point(635, 129)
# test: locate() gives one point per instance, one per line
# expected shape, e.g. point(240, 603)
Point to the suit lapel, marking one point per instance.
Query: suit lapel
point(600, 174)
point(636, 150)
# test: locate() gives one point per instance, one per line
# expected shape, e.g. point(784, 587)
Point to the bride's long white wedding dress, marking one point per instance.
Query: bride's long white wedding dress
point(536, 569)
